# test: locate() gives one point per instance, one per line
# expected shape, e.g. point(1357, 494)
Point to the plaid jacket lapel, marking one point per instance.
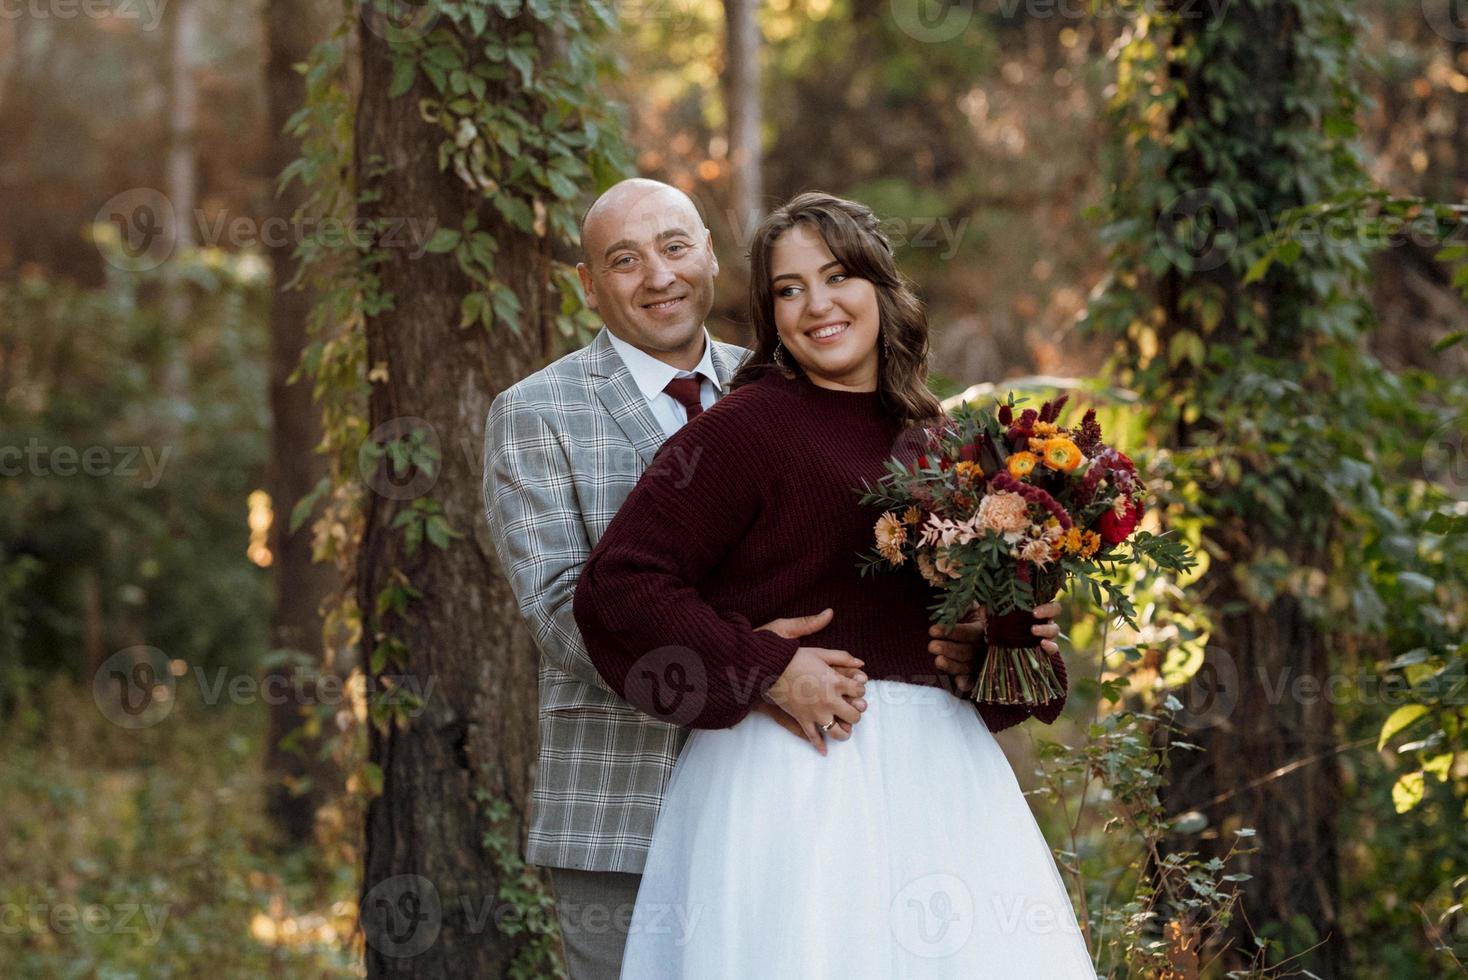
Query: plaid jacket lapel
point(623, 400)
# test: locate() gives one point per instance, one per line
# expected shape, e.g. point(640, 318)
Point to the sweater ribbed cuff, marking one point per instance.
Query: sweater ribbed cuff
point(773, 654)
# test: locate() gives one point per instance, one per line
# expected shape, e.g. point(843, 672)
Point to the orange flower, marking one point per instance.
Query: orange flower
point(968, 470)
point(1061, 454)
point(1090, 543)
point(891, 536)
point(1020, 464)
point(912, 515)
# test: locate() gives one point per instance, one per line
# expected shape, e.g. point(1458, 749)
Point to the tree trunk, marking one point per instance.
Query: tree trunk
point(299, 781)
point(1266, 730)
point(742, 107)
point(1268, 736)
point(181, 167)
point(429, 885)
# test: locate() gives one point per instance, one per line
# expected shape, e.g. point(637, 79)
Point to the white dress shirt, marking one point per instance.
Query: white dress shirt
point(652, 376)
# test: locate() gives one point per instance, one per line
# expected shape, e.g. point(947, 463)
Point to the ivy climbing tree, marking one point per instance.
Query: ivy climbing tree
point(1254, 377)
point(476, 136)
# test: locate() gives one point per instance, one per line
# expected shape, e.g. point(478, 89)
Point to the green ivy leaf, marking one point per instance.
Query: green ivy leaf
point(521, 60)
point(506, 306)
point(1451, 340)
point(1444, 523)
point(1398, 721)
point(516, 211)
point(1407, 792)
point(403, 71)
point(471, 307)
point(444, 240)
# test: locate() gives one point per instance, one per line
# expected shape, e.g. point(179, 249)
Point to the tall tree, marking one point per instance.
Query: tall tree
point(299, 779)
point(742, 46)
point(477, 122)
point(1254, 377)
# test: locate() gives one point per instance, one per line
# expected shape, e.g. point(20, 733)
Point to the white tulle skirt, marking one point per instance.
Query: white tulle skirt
point(908, 851)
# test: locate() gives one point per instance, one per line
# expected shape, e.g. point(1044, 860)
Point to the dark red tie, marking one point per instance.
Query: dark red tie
point(685, 390)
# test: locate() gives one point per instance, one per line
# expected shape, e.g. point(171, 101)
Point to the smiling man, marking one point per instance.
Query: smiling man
point(649, 272)
point(564, 448)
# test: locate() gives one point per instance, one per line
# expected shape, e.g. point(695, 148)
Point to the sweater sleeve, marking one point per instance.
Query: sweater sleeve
point(650, 634)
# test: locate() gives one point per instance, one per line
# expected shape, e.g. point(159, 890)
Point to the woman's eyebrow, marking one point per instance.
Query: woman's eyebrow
point(794, 275)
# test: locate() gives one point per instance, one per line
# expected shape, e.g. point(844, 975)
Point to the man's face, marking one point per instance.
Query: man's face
point(649, 271)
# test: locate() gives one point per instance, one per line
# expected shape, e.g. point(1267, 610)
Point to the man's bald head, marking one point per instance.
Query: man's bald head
point(631, 197)
point(649, 268)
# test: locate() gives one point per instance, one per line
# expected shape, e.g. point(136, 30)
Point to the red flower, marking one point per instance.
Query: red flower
point(1050, 411)
point(1115, 530)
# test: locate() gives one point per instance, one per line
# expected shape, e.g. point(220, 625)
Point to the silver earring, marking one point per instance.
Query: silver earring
point(780, 354)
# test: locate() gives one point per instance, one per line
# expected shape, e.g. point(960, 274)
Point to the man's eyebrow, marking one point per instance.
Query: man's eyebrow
point(629, 243)
point(618, 246)
point(793, 275)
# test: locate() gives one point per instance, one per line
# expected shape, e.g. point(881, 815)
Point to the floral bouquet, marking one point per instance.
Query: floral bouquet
point(1002, 510)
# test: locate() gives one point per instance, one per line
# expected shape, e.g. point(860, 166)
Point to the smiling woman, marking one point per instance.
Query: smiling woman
point(827, 302)
point(826, 318)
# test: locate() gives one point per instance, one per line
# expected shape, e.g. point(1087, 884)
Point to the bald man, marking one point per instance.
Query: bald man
point(564, 448)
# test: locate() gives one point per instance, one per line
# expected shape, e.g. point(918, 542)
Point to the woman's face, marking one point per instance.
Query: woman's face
point(828, 320)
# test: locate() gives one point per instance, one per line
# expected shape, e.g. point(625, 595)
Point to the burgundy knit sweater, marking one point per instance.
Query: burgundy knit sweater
point(747, 514)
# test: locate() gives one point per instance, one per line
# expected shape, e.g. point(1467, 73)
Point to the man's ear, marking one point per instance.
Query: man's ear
point(587, 285)
point(709, 244)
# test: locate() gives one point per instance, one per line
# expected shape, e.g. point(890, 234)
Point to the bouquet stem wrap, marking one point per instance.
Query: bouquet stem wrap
point(1016, 670)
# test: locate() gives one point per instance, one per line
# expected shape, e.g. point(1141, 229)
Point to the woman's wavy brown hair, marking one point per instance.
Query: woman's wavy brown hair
point(855, 238)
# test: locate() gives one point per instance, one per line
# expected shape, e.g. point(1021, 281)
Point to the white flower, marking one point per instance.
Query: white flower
point(1037, 551)
point(1005, 512)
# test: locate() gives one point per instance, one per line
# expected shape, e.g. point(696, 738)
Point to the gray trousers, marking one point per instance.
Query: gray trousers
point(595, 910)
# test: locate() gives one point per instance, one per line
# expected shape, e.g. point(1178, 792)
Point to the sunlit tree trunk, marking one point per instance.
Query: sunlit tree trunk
point(742, 45)
point(427, 866)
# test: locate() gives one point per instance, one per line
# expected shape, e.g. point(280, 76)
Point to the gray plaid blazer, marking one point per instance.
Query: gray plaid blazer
point(563, 449)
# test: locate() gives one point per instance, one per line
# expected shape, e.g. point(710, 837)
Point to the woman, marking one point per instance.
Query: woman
point(906, 851)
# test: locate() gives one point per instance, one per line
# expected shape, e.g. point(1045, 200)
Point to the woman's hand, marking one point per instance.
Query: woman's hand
point(819, 687)
point(794, 628)
point(954, 651)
